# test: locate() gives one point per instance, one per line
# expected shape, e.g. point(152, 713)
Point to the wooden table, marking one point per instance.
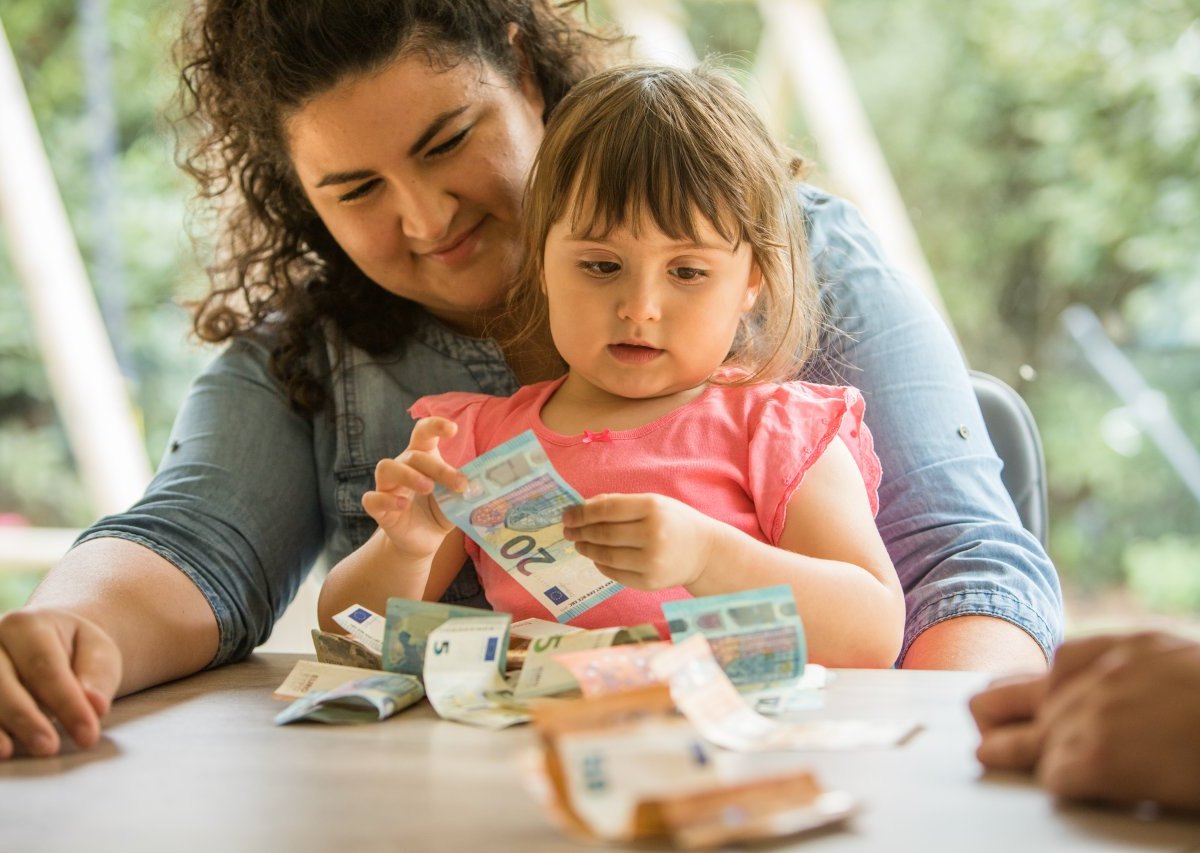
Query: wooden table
point(198, 765)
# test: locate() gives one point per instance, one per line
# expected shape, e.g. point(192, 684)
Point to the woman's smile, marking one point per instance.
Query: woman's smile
point(459, 249)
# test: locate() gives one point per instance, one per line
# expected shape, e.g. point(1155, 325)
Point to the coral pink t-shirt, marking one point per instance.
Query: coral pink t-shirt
point(736, 453)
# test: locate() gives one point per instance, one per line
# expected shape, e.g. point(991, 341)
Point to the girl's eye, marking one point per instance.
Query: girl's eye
point(449, 145)
point(359, 191)
point(599, 268)
point(689, 273)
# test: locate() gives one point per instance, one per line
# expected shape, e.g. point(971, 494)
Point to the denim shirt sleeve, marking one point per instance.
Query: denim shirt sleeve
point(235, 504)
point(948, 523)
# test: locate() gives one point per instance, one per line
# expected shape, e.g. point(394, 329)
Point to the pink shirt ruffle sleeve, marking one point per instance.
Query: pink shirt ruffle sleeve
point(795, 424)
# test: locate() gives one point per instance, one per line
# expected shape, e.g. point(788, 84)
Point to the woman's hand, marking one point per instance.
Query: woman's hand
point(54, 665)
point(642, 541)
point(402, 502)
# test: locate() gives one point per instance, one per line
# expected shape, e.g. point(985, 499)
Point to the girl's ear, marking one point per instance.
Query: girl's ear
point(753, 286)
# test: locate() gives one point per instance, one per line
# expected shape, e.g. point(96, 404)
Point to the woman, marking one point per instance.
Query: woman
point(369, 157)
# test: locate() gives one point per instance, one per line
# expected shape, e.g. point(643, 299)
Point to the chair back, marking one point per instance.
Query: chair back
point(1015, 436)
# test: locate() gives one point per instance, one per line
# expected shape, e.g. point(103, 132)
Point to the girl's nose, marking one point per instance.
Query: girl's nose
point(640, 303)
point(425, 212)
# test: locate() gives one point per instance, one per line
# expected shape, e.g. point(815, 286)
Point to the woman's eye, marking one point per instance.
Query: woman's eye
point(689, 273)
point(359, 191)
point(449, 145)
point(599, 268)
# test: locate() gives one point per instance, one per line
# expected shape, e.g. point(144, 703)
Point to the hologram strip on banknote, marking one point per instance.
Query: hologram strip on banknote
point(513, 508)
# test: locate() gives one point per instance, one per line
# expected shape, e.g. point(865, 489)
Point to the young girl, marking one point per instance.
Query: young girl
point(665, 259)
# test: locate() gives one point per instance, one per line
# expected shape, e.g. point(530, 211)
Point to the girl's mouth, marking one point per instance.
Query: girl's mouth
point(634, 353)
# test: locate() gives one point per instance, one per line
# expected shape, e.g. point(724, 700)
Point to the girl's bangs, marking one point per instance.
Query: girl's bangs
point(620, 180)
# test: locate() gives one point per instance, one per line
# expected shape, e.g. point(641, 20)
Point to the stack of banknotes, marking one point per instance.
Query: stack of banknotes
point(627, 766)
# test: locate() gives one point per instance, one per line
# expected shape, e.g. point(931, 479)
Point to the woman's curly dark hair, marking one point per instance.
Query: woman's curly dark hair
point(246, 64)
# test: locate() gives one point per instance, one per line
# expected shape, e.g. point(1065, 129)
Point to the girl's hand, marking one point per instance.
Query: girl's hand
point(402, 503)
point(642, 541)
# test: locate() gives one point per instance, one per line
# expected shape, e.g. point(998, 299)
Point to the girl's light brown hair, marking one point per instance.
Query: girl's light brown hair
point(642, 141)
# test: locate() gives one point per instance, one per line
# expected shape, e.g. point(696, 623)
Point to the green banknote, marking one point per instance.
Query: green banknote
point(366, 700)
point(409, 624)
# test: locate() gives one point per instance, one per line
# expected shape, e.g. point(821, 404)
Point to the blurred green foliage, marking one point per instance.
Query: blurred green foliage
point(1048, 151)
point(38, 479)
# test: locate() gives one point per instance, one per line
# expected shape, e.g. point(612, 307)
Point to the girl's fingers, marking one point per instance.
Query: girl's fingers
point(418, 472)
point(633, 580)
point(607, 509)
point(613, 557)
point(615, 534)
point(429, 431)
point(379, 504)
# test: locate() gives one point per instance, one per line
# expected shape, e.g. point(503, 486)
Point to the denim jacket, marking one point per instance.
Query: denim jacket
point(250, 494)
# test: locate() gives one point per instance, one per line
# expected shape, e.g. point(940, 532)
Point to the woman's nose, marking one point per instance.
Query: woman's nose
point(425, 212)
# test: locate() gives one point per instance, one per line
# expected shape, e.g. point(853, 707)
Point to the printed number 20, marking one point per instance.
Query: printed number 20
point(518, 547)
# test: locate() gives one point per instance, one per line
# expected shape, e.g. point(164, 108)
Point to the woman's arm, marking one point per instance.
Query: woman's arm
point(981, 592)
point(110, 619)
point(195, 573)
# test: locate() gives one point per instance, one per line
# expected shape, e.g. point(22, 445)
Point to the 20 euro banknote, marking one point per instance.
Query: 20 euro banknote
point(513, 508)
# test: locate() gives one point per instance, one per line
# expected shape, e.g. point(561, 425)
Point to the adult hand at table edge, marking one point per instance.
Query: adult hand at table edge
point(1005, 712)
point(978, 643)
point(1123, 730)
point(54, 665)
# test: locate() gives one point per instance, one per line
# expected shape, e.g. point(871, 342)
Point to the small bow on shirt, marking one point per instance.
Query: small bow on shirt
point(603, 435)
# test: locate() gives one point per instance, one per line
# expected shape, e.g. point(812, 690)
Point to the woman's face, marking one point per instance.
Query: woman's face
point(418, 173)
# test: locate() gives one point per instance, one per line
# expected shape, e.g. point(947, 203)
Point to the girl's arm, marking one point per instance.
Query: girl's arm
point(832, 556)
point(830, 553)
point(413, 535)
point(377, 571)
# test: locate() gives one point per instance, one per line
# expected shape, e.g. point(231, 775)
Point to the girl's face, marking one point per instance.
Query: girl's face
point(645, 317)
point(418, 172)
